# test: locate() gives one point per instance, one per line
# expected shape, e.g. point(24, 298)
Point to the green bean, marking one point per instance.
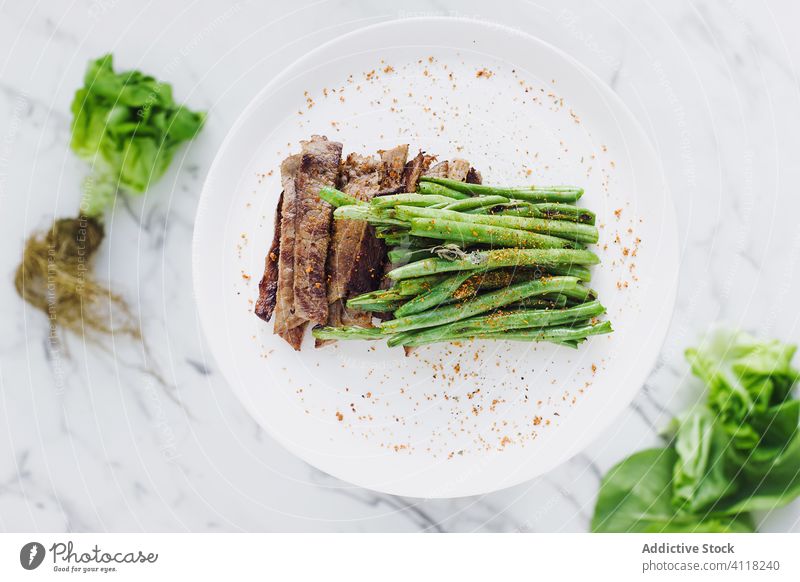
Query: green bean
point(348, 333)
point(572, 231)
point(569, 336)
point(377, 295)
point(467, 232)
point(581, 273)
point(552, 211)
point(401, 255)
point(528, 193)
point(409, 199)
point(378, 305)
point(559, 334)
point(338, 198)
point(439, 294)
point(374, 216)
point(439, 190)
point(480, 304)
point(497, 258)
point(581, 294)
point(482, 281)
point(533, 318)
point(400, 238)
point(498, 322)
point(475, 203)
point(556, 301)
point(418, 285)
point(551, 300)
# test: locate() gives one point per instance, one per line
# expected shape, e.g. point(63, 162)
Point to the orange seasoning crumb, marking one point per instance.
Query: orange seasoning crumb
point(339, 416)
point(484, 73)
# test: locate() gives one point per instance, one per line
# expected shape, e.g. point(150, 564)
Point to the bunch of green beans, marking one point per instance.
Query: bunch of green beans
point(477, 261)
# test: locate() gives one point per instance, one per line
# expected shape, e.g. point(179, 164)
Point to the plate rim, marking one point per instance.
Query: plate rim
point(669, 219)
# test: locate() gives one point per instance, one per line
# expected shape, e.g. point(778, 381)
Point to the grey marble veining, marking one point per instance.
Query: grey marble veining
point(128, 437)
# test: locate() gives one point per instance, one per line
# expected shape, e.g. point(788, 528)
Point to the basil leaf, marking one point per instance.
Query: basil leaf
point(636, 496)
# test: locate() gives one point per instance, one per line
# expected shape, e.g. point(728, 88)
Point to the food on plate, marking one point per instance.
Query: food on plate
point(429, 250)
point(356, 255)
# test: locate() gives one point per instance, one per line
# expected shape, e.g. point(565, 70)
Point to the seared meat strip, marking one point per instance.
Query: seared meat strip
point(319, 167)
point(415, 168)
point(474, 176)
point(439, 170)
point(356, 255)
point(458, 170)
point(394, 163)
point(287, 323)
point(360, 177)
point(268, 286)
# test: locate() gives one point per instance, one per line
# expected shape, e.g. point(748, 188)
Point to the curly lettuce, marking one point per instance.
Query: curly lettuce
point(737, 452)
point(128, 126)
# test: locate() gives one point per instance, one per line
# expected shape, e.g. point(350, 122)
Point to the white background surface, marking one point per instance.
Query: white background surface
point(92, 441)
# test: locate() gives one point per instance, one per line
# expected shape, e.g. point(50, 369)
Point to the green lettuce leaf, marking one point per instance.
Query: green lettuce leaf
point(702, 473)
point(745, 377)
point(748, 455)
point(128, 126)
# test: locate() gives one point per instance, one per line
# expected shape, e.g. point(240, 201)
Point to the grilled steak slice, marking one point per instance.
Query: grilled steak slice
point(361, 177)
point(458, 170)
point(368, 271)
point(268, 286)
point(319, 167)
point(474, 176)
point(394, 163)
point(356, 255)
point(285, 318)
point(439, 170)
point(339, 315)
point(413, 169)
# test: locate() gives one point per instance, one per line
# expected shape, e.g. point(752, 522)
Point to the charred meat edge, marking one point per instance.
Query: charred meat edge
point(268, 285)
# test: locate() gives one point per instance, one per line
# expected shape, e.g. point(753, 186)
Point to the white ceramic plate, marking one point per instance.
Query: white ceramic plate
point(449, 420)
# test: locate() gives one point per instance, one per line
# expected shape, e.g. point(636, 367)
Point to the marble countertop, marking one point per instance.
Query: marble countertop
point(110, 438)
